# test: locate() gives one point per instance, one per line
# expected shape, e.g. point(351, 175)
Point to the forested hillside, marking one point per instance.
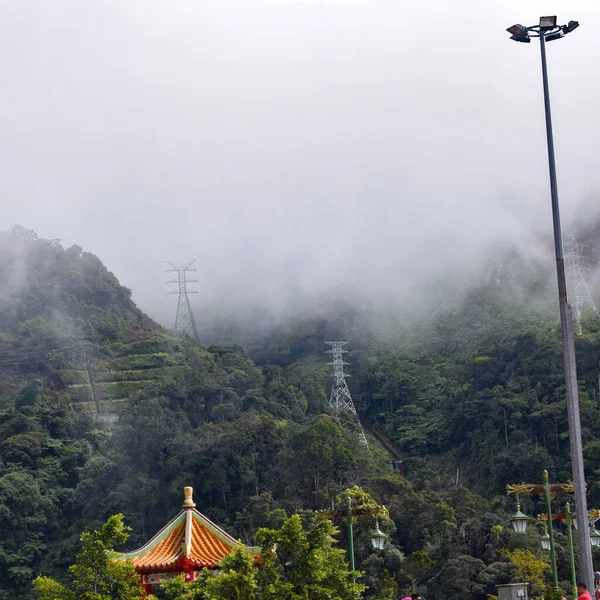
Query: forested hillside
point(102, 411)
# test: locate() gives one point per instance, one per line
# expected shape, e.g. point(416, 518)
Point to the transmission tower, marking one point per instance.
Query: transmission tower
point(500, 264)
point(509, 266)
point(577, 266)
point(184, 319)
point(340, 399)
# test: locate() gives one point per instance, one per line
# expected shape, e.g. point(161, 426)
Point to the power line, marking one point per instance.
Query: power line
point(184, 318)
point(340, 399)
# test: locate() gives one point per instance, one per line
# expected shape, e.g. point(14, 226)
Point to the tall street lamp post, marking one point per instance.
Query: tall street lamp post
point(546, 31)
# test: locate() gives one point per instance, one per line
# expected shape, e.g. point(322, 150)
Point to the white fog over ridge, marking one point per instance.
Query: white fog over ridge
point(291, 148)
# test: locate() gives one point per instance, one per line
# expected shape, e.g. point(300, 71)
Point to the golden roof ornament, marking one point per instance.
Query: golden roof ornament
point(188, 501)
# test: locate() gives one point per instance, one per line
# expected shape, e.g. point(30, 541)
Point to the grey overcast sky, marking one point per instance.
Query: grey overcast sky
point(289, 145)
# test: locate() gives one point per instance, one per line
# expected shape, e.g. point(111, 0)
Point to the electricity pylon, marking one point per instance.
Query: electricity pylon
point(340, 399)
point(579, 292)
point(509, 265)
point(500, 264)
point(184, 318)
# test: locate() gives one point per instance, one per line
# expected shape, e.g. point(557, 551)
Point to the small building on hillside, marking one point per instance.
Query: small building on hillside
point(187, 544)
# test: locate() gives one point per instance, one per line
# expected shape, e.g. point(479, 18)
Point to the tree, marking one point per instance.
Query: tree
point(528, 567)
point(459, 578)
point(303, 565)
point(416, 566)
point(48, 589)
point(235, 580)
point(95, 574)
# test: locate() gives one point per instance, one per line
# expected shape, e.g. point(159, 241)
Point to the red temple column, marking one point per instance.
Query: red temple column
point(147, 587)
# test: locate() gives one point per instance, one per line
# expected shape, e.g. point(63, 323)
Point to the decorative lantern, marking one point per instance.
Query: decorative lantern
point(378, 537)
point(519, 521)
point(545, 540)
point(594, 536)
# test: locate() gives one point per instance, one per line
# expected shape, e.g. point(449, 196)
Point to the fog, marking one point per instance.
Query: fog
point(295, 149)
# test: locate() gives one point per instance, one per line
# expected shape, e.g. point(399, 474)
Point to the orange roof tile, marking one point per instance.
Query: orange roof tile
point(206, 548)
point(189, 537)
point(165, 554)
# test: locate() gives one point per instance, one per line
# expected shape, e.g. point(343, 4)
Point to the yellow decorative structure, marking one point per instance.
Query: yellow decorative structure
point(188, 500)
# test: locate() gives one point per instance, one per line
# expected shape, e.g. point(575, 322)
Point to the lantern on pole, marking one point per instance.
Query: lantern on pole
point(519, 521)
point(377, 537)
point(545, 539)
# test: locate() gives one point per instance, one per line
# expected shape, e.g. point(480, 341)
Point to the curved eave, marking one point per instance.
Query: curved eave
point(180, 520)
point(153, 541)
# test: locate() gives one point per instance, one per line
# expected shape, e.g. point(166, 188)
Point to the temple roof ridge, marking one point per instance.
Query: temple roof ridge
point(189, 537)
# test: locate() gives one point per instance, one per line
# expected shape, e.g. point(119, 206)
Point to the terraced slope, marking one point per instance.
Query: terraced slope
point(102, 383)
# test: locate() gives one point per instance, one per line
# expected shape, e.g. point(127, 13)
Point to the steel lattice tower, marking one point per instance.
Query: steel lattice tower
point(579, 292)
point(184, 318)
point(508, 266)
point(500, 264)
point(340, 399)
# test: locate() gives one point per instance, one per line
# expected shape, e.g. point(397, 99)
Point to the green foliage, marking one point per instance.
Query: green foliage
point(73, 376)
point(147, 361)
point(121, 389)
point(80, 392)
point(470, 399)
point(528, 567)
point(360, 498)
point(139, 375)
point(48, 589)
point(297, 564)
point(416, 566)
point(95, 574)
point(236, 579)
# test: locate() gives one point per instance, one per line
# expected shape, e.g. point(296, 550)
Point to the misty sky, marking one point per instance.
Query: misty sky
point(290, 146)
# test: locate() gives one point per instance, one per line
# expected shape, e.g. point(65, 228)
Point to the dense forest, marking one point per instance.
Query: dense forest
point(102, 411)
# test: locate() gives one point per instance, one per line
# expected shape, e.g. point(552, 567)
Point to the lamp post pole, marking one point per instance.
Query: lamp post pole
point(571, 554)
point(350, 534)
point(568, 343)
point(546, 31)
point(345, 510)
point(550, 533)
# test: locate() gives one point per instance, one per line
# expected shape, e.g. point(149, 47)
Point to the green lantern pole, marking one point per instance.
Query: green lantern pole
point(342, 512)
point(350, 535)
point(571, 555)
point(550, 532)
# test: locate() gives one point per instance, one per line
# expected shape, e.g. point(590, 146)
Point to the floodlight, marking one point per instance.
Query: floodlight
point(571, 26)
point(555, 36)
point(548, 22)
point(525, 39)
point(517, 30)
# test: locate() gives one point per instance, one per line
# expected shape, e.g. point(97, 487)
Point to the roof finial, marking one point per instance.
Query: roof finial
point(188, 501)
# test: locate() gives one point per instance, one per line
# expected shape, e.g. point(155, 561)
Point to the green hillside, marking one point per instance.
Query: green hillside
point(102, 411)
point(65, 318)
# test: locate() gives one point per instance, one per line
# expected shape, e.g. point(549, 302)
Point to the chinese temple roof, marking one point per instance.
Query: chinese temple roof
point(190, 539)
